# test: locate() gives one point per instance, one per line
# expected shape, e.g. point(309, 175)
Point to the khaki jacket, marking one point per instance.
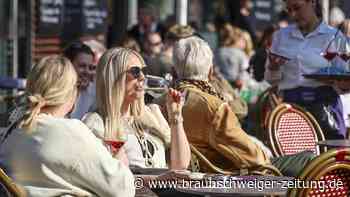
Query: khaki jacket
point(215, 131)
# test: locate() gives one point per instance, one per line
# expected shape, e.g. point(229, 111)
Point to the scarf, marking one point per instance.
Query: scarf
point(204, 86)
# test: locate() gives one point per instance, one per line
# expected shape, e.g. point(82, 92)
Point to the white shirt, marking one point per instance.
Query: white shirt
point(62, 157)
point(86, 99)
point(132, 147)
point(305, 54)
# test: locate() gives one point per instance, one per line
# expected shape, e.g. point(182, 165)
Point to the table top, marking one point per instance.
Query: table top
point(335, 143)
point(240, 186)
point(215, 185)
point(148, 171)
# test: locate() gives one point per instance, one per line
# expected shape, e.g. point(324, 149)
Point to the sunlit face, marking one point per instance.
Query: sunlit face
point(135, 79)
point(154, 42)
point(83, 63)
point(301, 11)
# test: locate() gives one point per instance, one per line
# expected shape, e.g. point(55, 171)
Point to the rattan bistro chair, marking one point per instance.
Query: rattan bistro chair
point(332, 168)
point(292, 130)
point(198, 158)
point(266, 102)
point(8, 188)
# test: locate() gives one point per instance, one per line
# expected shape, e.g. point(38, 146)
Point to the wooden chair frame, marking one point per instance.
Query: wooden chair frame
point(320, 166)
point(276, 114)
point(14, 189)
point(268, 98)
point(256, 170)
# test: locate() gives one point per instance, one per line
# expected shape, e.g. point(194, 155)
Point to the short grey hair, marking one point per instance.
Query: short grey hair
point(193, 58)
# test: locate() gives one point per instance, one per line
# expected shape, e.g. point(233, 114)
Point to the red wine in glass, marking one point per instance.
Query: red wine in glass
point(329, 55)
point(345, 57)
point(114, 145)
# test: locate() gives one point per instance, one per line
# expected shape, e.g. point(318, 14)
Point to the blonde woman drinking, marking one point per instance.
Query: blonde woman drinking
point(122, 116)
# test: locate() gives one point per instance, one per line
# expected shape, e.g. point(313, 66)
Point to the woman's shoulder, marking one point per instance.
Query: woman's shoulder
point(63, 124)
point(95, 123)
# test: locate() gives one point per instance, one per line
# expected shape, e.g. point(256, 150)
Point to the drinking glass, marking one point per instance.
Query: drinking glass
point(114, 140)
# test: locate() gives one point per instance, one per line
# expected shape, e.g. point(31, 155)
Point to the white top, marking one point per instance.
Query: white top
point(62, 157)
point(86, 99)
point(304, 53)
point(134, 146)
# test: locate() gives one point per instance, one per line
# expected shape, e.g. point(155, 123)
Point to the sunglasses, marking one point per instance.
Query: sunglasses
point(136, 71)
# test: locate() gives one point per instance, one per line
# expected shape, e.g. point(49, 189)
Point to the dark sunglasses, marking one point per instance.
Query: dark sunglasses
point(136, 71)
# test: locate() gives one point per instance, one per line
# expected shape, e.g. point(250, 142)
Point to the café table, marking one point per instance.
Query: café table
point(335, 143)
point(241, 186)
point(252, 186)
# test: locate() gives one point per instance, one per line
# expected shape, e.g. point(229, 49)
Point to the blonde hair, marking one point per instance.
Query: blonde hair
point(110, 88)
point(229, 35)
point(51, 83)
point(249, 47)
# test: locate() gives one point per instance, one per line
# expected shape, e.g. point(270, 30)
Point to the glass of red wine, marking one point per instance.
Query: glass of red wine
point(331, 51)
point(115, 140)
point(345, 56)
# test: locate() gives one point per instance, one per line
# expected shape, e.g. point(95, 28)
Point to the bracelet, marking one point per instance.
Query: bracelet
point(175, 121)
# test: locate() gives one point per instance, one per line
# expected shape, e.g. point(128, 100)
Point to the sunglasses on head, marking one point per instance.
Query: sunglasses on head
point(136, 71)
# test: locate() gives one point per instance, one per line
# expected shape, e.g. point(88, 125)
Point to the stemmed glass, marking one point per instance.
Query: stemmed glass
point(114, 140)
point(331, 51)
point(345, 54)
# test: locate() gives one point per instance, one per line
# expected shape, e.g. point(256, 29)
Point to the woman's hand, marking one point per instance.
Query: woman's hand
point(275, 60)
point(121, 156)
point(174, 105)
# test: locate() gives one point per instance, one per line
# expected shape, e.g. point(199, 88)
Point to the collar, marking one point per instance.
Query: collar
point(322, 28)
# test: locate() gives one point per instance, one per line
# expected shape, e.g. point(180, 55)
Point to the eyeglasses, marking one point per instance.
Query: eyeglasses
point(136, 71)
point(154, 44)
point(91, 67)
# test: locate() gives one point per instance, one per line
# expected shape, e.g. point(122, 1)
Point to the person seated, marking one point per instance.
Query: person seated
point(210, 124)
point(121, 112)
point(82, 58)
point(53, 156)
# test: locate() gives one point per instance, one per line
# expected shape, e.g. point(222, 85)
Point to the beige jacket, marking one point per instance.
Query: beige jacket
point(215, 131)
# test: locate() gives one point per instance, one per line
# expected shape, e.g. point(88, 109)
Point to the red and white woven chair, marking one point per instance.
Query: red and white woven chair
point(292, 130)
point(327, 175)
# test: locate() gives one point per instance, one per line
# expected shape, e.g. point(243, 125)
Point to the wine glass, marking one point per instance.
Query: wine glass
point(114, 140)
point(331, 50)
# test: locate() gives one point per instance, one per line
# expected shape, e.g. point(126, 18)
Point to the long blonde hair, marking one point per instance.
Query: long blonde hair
point(110, 88)
point(51, 83)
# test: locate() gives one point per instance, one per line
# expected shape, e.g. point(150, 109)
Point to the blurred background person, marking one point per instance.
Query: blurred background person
point(345, 28)
point(130, 43)
point(147, 23)
point(82, 58)
point(257, 62)
point(336, 16)
point(229, 57)
point(152, 47)
point(98, 49)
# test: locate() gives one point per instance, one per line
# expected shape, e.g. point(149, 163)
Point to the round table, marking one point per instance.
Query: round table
point(243, 186)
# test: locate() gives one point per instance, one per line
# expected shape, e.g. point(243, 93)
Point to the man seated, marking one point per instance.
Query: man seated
point(210, 124)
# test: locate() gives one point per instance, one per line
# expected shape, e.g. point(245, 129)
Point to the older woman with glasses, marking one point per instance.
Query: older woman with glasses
point(51, 155)
point(122, 117)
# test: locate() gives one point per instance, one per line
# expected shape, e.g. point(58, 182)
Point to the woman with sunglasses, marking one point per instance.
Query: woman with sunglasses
point(297, 50)
point(121, 111)
point(51, 155)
